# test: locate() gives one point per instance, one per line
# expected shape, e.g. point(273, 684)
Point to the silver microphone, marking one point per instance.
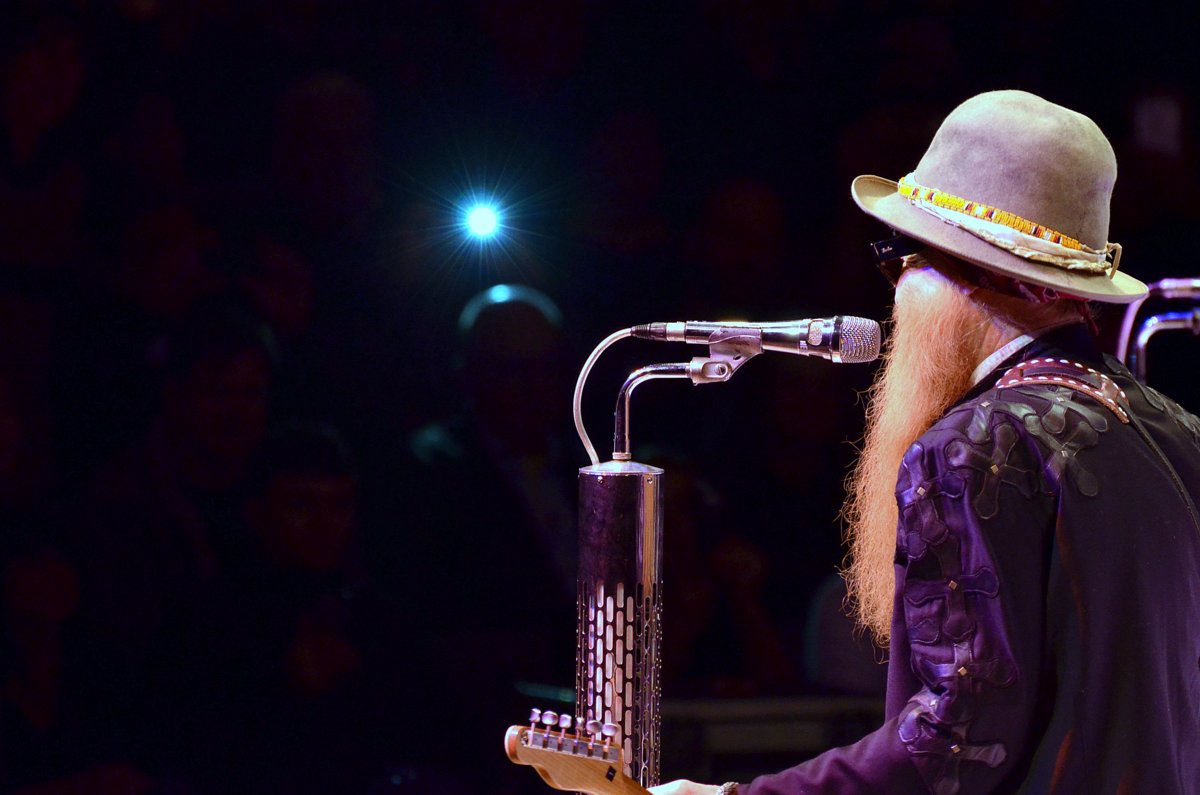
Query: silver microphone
point(842, 338)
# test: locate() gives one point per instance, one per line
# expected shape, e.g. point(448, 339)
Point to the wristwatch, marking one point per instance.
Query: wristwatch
point(728, 788)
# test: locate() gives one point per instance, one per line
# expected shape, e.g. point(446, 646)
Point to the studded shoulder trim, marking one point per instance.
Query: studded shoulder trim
point(1070, 374)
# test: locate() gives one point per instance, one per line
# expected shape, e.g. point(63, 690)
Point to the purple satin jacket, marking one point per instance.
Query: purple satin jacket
point(1046, 631)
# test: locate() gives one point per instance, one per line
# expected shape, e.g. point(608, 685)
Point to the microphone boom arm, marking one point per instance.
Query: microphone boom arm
point(621, 415)
point(728, 354)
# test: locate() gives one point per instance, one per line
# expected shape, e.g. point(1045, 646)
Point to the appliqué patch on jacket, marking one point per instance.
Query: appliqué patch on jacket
point(1061, 422)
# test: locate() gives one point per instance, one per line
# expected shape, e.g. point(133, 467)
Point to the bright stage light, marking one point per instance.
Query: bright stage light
point(483, 221)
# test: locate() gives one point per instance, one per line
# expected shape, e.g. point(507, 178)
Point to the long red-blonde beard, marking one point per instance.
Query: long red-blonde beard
point(937, 338)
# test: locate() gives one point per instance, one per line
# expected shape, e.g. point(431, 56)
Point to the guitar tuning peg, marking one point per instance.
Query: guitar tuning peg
point(564, 721)
point(593, 727)
point(535, 715)
point(610, 730)
point(550, 717)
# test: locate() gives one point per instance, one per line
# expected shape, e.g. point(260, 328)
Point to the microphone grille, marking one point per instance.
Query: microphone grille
point(858, 340)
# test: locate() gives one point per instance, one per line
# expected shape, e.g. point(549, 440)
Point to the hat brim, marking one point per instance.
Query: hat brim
point(878, 197)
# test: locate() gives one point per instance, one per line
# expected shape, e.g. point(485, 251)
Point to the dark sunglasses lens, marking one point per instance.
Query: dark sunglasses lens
point(890, 253)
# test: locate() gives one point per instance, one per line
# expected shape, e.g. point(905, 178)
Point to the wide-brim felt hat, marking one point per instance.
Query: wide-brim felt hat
point(1031, 159)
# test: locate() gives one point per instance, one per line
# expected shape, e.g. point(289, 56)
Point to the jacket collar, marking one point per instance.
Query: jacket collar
point(1073, 342)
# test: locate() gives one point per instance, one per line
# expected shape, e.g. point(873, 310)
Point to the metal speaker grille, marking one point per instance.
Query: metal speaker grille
point(859, 340)
point(617, 676)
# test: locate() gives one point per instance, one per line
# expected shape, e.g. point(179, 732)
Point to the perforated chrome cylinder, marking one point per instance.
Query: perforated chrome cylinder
point(620, 608)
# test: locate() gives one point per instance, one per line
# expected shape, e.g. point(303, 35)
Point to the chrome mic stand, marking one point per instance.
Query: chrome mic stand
point(619, 633)
point(1175, 289)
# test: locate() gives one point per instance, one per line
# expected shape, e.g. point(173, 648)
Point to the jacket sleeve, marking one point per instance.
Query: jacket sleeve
point(976, 521)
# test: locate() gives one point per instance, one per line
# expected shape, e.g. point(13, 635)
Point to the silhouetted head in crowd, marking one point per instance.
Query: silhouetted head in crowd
point(42, 179)
point(280, 282)
point(324, 152)
point(1159, 155)
point(42, 70)
point(740, 240)
point(416, 242)
point(760, 38)
point(513, 364)
point(39, 586)
point(164, 267)
point(626, 159)
point(537, 44)
point(797, 452)
point(27, 467)
point(217, 375)
point(624, 164)
point(39, 592)
point(304, 498)
point(147, 149)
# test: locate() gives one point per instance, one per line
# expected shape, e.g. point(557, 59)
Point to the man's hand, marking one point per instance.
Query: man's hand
point(684, 787)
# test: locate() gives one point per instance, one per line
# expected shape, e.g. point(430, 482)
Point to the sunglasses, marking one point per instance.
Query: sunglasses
point(890, 254)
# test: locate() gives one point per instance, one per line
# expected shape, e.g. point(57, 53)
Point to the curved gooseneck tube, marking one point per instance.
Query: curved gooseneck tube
point(621, 421)
point(1164, 288)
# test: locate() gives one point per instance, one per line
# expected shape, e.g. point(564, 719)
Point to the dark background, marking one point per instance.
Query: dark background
point(276, 520)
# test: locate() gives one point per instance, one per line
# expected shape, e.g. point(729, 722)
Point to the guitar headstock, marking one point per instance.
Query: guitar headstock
point(569, 761)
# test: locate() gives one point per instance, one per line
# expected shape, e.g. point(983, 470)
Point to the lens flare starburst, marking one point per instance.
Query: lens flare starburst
point(483, 221)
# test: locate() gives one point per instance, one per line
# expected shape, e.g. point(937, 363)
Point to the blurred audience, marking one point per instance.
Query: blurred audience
point(714, 579)
point(313, 658)
point(499, 475)
point(160, 521)
point(738, 244)
point(839, 658)
point(324, 155)
point(42, 183)
point(508, 446)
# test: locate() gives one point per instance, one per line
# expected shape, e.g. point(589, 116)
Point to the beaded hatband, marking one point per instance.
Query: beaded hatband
point(949, 201)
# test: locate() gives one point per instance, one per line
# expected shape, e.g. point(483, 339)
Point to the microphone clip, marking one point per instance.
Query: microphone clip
point(728, 349)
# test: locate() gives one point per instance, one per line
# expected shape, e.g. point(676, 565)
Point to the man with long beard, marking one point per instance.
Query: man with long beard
point(1022, 522)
